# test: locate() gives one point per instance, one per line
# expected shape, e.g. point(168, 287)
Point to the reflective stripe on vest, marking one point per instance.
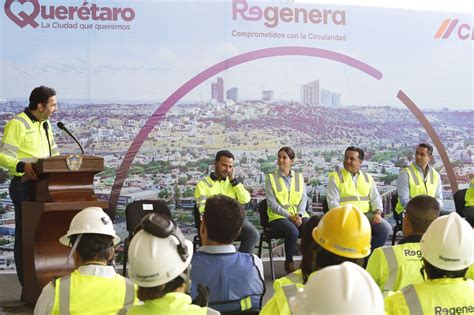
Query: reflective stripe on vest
point(246, 303)
point(9, 150)
point(412, 300)
point(349, 192)
point(288, 200)
point(392, 267)
point(289, 291)
point(23, 120)
point(65, 294)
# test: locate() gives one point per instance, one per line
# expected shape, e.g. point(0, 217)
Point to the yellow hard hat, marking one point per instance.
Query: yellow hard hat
point(344, 231)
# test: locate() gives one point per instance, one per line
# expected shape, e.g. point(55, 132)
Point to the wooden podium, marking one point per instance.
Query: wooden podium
point(62, 190)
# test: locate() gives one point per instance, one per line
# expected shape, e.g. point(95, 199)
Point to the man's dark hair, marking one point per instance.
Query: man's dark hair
point(223, 217)
point(153, 293)
point(225, 153)
point(40, 94)
point(94, 246)
point(356, 149)
point(325, 258)
point(289, 151)
point(421, 211)
point(433, 272)
point(428, 146)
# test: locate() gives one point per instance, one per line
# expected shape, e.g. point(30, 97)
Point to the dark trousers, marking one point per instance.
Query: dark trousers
point(19, 192)
point(291, 233)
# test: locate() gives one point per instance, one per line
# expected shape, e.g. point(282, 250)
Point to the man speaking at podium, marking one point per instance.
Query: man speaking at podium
point(27, 137)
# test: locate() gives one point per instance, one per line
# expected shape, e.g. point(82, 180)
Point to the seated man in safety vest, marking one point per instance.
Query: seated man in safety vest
point(222, 181)
point(448, 251)
point(419, 179)
point(350, 185)
point(94, 287)
point(395, 267)
point(235, 280)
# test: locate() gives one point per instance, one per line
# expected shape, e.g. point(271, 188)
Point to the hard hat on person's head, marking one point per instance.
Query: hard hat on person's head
point(91, 220)
point(341, 289)
point(448, 244)
point(344, 231)
point(158, 258)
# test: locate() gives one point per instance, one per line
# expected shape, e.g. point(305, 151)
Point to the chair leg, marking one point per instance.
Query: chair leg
point(260, 245)
point(125, 257)
point(270, 252)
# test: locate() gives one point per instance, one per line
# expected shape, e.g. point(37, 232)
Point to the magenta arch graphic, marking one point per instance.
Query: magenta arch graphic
point(159, 114)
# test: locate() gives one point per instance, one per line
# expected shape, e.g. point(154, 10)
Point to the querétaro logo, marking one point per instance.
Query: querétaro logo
point(449, 26)
point(26, 12)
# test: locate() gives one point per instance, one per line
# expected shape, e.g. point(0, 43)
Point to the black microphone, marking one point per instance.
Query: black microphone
point(45, 127)
point(62, 127)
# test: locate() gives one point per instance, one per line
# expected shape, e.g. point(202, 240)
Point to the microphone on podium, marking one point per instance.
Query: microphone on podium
point(62, 127)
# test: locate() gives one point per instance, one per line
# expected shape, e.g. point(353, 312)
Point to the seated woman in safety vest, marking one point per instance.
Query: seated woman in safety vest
point(308, 264)
point(343, 234)
point(160, 258)
point(286, 199)
point(94, 287)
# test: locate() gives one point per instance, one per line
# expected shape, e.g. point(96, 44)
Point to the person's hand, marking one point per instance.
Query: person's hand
point(202, 299)
point(299, 221)
point(231, 174)
point(377, 218)
point(29, 172)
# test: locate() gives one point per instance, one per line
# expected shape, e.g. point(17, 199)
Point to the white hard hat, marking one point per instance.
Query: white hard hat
point(448, 243)
point(341, 289)
point(155, 261)
point(91, 220)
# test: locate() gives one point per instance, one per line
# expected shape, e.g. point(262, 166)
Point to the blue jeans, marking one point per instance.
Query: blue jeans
point(380, 232)
point(19, 192)
point(249, 237)
point(291, 232)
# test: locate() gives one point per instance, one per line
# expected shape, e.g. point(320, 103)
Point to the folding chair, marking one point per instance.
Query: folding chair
point(134, 212)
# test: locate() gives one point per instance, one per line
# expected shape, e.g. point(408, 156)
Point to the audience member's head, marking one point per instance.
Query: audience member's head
point(343, 289)
point(222, 220)
point(421, 211)
point(308, 247)
point(447, 247)
point(91, 235)
point(343, 234)
point(159, 258)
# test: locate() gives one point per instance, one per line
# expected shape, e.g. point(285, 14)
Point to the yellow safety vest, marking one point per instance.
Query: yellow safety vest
point(295, 277)
point(25, 140)
point(470, 195)
point(278, 304)
point(349, 193)
point(438, 296)
point(88, 294)
point(417, 184)
point(395, 267)
point(207, 188)
point(289, 200)
point(173, 303)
